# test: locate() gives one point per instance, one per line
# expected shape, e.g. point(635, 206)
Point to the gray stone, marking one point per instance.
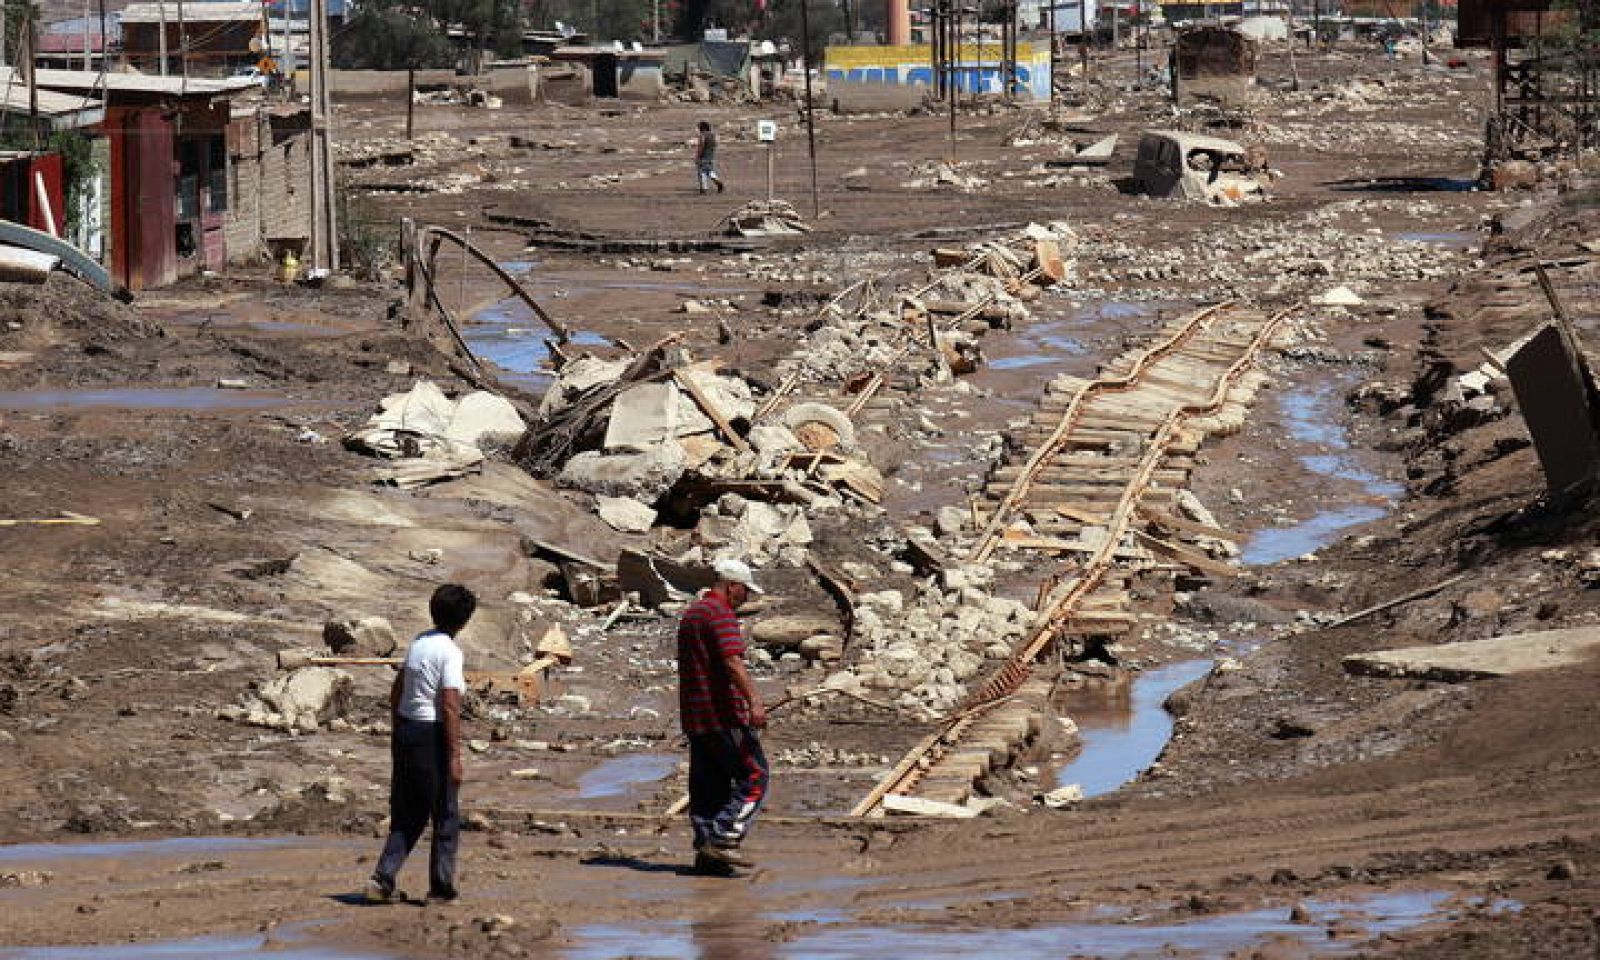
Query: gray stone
point(626, 514)
point(791, 631)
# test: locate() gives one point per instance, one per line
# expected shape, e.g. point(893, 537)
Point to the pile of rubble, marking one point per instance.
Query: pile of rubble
point(926, 648)
point(1308, 256)
point(432, 437)
point(943, 176)
point(705, 461)
point(765, 218)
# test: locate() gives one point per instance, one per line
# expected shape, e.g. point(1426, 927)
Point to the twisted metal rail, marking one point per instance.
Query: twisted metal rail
point(1064, 601)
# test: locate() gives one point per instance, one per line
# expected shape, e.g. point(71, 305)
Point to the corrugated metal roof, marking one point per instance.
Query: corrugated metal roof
point(206, 11)
point(69, 108)
point(142, 83)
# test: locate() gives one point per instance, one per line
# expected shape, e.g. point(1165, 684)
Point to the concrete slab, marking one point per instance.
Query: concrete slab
point(1482, 659)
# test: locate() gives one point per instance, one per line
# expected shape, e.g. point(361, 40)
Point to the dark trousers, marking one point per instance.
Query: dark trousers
point(419, 791)
point(728, 782)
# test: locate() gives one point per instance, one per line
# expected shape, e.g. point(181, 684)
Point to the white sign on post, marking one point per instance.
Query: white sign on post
point(766, 130)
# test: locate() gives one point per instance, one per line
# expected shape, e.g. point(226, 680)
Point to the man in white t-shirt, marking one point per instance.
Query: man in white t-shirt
point(426, 750)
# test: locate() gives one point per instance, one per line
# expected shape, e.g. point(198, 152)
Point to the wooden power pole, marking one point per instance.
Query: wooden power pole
point(324, 216)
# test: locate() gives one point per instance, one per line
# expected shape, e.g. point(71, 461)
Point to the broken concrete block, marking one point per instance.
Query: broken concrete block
point(625, 514)
point(643, 416)
point(646, 475)
point(1477, 659)
point(788, 632)
point(309, 696)
point(578, 376)
point(1553, 386)
point(360, 637)
point(1099, 152)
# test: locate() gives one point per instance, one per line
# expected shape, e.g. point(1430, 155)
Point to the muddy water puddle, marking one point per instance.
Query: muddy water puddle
point(620, 776)
point(1123, 728)
point(200, 948)
point(143, 398)
point(1311, 416)
point(827, 938)
point(128, 849)
point(1449, 239)
point(1061, 338)
point(520, 346)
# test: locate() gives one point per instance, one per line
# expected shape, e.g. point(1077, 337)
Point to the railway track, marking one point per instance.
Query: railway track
point(1101, 489)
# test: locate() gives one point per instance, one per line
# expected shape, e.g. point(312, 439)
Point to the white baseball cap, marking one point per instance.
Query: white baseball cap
point(736, 571)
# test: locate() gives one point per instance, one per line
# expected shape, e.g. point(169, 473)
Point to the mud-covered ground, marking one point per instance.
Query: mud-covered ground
point(1298, 809)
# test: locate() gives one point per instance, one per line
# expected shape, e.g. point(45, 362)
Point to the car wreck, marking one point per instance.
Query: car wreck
point(1175, 164)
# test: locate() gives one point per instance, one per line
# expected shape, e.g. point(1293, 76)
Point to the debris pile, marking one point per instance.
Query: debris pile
point(297, 701)
point(765, 218)
point(926, 649)
point(943, 176)
point(434, 438)
point(708, 462)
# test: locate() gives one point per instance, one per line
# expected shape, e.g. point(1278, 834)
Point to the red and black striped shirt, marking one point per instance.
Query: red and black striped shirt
point(708, 634)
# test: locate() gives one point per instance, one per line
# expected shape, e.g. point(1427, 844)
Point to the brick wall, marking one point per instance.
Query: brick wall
point(271, 185)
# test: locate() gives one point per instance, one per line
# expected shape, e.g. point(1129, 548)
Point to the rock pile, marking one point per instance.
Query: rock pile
point(925, 649)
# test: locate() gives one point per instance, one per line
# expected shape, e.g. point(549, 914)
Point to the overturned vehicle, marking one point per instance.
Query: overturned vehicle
point(1175, 164)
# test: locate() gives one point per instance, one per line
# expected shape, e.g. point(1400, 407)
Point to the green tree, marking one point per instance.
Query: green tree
point(391, 38)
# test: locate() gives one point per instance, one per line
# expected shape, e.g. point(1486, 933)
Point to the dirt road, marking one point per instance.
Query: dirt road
point(1297, 811)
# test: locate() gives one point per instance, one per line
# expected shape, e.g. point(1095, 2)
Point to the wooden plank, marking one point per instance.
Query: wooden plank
point(1185, 525)
point(1191, 558)
point(710, 410)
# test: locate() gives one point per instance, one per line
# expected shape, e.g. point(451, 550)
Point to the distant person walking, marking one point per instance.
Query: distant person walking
point(705, 158)
point(721, 714)
point(425, 746)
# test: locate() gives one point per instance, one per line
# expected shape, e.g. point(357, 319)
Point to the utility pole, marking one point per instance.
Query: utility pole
point(86, 66)
point(1425, 60)
point(811, 111)
point(324, 217)
point(183, 48)
point(161, 40)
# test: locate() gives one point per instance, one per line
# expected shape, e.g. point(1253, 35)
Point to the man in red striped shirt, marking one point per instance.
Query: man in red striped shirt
point(721, 714)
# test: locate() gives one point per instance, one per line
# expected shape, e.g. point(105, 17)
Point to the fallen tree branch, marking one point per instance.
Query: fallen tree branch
point(1397, 601)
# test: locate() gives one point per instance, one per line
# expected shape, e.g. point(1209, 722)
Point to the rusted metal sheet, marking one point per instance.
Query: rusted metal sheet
point(1210, 52)
point(1481, 22)
point(1552, 390)
point(155, 234)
